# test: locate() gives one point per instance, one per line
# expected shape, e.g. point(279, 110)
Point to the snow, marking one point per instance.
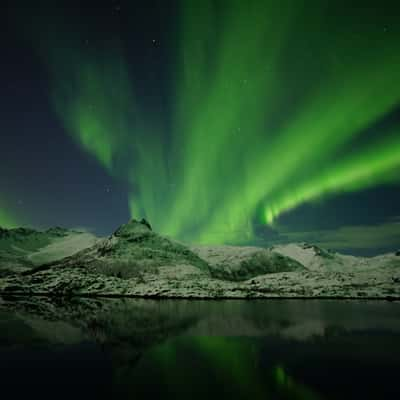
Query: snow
point(135, 261)
point(63, 247)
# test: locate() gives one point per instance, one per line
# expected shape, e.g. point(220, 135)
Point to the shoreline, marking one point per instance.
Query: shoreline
point(16, 295)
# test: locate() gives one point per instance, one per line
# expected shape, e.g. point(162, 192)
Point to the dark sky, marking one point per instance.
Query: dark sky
point(48, 177)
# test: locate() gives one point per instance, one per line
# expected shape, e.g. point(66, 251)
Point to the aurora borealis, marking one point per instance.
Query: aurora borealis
point(229, 115)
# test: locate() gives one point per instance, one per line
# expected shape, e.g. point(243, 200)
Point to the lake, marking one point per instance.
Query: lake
point(179, 349)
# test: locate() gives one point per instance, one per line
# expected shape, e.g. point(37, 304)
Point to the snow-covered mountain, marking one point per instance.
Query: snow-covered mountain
point(136, 261)
point(22, 249)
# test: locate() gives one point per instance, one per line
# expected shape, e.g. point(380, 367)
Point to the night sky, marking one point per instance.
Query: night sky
point(219, 121)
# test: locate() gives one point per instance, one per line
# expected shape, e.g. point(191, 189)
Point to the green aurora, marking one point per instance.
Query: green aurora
point(233, 360)
point(269, 103)
point(6, 220)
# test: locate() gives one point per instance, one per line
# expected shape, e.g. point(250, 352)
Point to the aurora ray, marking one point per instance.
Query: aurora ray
point(8, 217)
point(6, 220)
point(371, 167)
point(263, 116)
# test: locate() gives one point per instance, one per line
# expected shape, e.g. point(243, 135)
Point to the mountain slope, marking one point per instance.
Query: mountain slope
point(134, 249)
point(135, 261)
point(315, 258)
point(241, 263)
point(22, 248)
point(131, 249)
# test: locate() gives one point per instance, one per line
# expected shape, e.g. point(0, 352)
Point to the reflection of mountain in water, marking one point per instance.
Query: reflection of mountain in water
point(231, 348)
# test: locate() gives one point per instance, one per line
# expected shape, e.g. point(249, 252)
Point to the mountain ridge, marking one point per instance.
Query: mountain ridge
point(24, 248)
point(136, 261)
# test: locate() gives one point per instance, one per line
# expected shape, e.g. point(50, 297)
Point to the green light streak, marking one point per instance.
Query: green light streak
point(100, 112)
point(7, 220)
point(267, 99)
point(356, 97)
point(234, 360)
point(226, 109)
point(359, 171)
point(8, 217)
point(98, 107)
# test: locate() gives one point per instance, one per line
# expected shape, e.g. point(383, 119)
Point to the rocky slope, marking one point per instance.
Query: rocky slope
point(22, 249)
point(235, 263)
point(317, 259)
point(135, 261)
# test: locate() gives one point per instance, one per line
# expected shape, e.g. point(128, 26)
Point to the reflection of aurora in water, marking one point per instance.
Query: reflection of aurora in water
point(299, 350)
point(196, 367)
point(274, 352)
point(233, 370)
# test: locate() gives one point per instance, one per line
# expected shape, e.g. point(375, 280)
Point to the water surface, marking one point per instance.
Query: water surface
point(269, 349)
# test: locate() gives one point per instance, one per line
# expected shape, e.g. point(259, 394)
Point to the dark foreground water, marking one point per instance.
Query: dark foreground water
point(142, 349)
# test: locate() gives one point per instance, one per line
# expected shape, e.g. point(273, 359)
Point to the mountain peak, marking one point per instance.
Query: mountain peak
point(17, 232)
point(133, 227)
point(57, 231)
